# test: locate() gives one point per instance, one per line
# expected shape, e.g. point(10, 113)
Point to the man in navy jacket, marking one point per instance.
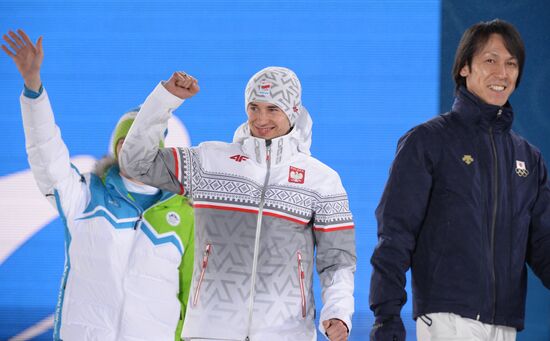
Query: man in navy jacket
point(466, 207)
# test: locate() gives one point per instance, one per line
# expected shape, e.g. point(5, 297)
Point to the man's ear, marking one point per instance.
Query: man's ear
point(465, 71)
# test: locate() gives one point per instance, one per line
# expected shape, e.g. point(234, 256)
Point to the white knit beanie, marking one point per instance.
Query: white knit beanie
point(276, 85)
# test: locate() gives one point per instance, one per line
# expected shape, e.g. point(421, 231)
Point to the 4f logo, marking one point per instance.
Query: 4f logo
point(296, 175)
point(239, 158)
point(521, 170)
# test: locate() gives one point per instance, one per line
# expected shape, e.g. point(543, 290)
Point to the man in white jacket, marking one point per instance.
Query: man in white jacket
point(129, 246)
point(263, 205)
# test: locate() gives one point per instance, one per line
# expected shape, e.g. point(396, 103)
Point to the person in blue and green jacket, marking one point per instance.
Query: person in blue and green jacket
point(129, 246)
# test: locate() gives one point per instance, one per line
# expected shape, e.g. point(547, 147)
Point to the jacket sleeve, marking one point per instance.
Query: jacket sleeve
point(400, 215)
point(49, 160)
point(334, 232)
point(142, 159)
point(538, 256)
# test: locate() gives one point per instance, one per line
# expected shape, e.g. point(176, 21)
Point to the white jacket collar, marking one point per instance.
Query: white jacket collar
point(282, 148)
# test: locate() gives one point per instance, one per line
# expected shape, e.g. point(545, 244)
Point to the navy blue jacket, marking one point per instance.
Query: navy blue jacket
point(466, 207)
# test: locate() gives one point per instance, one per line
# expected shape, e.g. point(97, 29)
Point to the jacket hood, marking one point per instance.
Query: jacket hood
point(300, 135)
point(103, 165)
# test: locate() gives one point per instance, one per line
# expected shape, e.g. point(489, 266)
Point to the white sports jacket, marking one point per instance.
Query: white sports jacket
point(260, 211)
point(122, 273)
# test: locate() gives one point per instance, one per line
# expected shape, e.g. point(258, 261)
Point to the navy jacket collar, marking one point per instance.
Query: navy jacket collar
point(473, 111)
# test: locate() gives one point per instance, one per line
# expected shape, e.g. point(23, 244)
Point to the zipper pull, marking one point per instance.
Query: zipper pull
point(301, 278)
point(299, 254)
point(267, 150)
point(499, 112)
point(203, 270)
point(138, 222)
point(205, 255)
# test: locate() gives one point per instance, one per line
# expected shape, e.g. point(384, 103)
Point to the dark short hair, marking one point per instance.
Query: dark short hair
point(475, 38)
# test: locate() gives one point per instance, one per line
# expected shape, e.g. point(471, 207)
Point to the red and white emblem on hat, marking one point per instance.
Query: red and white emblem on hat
point(296, 175)
point(265, 88)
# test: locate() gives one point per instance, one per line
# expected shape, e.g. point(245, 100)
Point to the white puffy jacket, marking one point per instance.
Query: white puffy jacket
point(122, 277)
point(260, 211)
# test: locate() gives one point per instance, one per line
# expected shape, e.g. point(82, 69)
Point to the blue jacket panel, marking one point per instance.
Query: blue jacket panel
point(466, 205)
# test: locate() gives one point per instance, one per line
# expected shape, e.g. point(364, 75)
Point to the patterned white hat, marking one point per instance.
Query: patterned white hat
point(276, 85)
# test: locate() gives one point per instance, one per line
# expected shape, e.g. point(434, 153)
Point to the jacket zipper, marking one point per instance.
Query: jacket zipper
point(138, 222)
point(494, 215)
point(257, 240)
point(140, 211)
point(136, 226)
point(301, 276)
point(205, 256)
